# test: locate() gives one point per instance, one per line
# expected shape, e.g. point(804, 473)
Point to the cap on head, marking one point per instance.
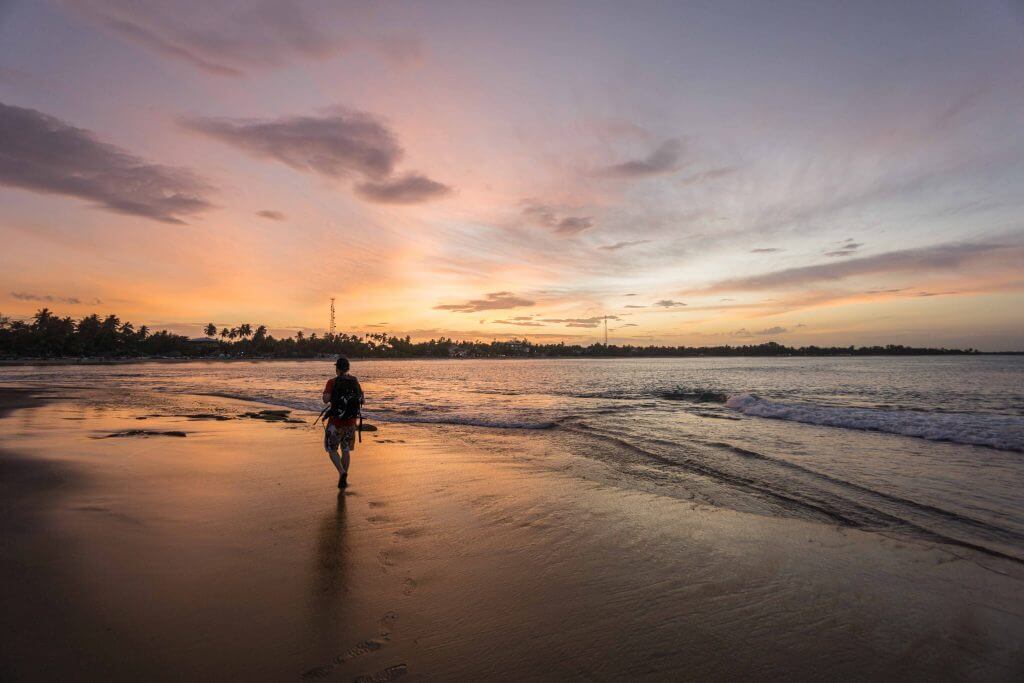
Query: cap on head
point(342, 364)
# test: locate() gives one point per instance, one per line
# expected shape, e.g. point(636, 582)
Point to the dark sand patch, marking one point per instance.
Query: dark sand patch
point(12, 399)
point(142, 433)
point(272, 416)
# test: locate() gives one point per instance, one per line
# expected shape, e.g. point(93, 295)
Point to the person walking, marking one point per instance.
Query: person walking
point(345, 396)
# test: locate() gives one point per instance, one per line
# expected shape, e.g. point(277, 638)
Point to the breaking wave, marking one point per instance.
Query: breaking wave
point(1005, 432)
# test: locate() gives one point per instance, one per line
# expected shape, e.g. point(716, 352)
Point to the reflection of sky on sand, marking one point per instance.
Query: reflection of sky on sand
point(666, 425)
point(516, 562)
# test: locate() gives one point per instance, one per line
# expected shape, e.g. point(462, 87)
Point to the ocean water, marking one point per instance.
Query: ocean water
point(928, 447)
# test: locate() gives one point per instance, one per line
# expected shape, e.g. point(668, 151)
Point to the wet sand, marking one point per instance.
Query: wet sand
point(228, 553)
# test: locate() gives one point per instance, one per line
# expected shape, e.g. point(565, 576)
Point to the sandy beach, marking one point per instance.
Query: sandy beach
point(229, 553)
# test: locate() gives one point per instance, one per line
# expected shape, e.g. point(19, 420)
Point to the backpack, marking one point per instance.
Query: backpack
point(345, 398)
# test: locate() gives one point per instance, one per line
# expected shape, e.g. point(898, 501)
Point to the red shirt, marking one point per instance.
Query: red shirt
point(338, 421)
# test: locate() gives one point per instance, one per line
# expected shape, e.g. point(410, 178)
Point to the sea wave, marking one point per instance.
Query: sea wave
point(404, 416)
point(1005, 432)
point(460, 420)
point(694, 395)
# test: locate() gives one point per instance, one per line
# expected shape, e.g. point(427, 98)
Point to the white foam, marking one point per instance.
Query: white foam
point(1005, 432)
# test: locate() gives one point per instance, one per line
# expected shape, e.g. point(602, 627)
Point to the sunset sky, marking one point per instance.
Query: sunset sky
point(701, 172)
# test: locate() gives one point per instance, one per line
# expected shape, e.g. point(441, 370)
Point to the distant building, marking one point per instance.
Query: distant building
point(204, 343)
point(456, 351)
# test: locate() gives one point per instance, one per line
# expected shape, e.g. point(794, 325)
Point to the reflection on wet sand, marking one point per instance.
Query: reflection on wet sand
point(329, 577)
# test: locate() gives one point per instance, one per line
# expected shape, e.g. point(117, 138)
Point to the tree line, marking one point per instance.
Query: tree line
point(46, 335)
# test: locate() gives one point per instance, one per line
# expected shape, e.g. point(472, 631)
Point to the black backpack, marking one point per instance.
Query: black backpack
point(345, 398)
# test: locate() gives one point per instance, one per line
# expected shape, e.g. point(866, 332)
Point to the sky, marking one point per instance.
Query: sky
point(701, 173)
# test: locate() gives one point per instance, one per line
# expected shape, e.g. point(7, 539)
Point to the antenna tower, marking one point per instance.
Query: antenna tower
point(606, 331)
point(332, 316)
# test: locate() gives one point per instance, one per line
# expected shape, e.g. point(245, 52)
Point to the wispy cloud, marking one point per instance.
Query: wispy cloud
point(664, 159)
point(225, 38)
point(766, 250)
point(745, 333)
point(520, 323)
point(551, 217)
point(490, 302)
point(592, 321)
point(907, 261)
point(50, 299)
point(271, 215)
point(847, 248)
point(41, 153)
point(623, 245)
point(705, 176)
point(668, 303)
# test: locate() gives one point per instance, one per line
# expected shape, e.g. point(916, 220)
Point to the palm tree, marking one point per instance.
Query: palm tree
point(245, 330)
point(210, 330)
point(233, 333)
point(224, 333)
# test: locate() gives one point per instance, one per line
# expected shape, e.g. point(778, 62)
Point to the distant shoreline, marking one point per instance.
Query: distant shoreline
point(15, 362)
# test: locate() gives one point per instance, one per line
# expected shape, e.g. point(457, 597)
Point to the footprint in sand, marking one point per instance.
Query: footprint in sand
point(377, 504)
point(358, 650)
point(384, 675)
point(365, 647)
point(385, 561)
point(386, 623)
point(362, 648)
point(410, 586)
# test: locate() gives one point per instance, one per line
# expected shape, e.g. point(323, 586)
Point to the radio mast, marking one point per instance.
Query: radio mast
point(332, 316)
point(606, 331)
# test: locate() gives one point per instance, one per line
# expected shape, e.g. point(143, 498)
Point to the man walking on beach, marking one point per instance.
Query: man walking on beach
point(345, 396)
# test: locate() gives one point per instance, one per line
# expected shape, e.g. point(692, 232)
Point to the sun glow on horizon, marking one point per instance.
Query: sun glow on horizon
point(495, 171)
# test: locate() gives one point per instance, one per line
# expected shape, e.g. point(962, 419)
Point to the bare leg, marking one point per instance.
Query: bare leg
point(331, 446)
point(338, 462)
point(345, 460)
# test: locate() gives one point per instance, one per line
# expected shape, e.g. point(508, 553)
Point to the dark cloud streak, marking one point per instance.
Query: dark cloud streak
point(411, 188)
point(548, 216)
point(341, 144)
point(941, 257)
point(50, 299)
point(664, 159)
point(490, 302)
point(336, 145)
point(41, 153)
point(623, 245)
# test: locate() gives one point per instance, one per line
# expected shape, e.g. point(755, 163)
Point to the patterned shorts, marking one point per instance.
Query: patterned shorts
point(340, 436)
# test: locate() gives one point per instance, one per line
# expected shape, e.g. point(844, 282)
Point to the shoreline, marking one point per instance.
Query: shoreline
point(138, 361)
point(230, 553)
